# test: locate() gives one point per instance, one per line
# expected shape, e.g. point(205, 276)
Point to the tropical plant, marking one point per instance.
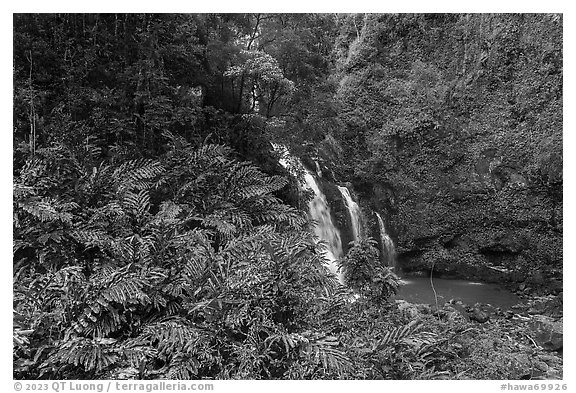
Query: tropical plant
point(365, 273)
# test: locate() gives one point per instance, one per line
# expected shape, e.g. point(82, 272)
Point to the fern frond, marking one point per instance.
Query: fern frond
point(210, 153)
point(184, 367)
point(92, 355)
point(168, 213)
point(137, 203)
point(111, 211)
point(170, 337)
point(136, 174)
point(92, 238)
point(324, 350)
point(218, 221)
point(397, 334)
point(127, 290)
point(21, 191)
point(45, 211)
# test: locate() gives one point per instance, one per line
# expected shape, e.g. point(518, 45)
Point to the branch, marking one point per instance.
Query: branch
point(254, 32)
point(432, 285)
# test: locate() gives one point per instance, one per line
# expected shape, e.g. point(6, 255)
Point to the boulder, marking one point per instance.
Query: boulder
point(454, 313)
point(408, 309)
point(478, 315)
point(547, 332)
point(556, 286)
point(536, 278)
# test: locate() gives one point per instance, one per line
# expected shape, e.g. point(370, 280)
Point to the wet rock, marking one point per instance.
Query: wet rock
point(505, 243)
point(408, 309)
point(547, 332)
point(554, 374)
point(450, 313)
point(455, 316)
point(478, 315)
point(550, 306)
point(536, 278)
point(548, 366)
point(541, 366)
point(487, 308)
point(556, 286)
point(518, 276)
point(550, 360)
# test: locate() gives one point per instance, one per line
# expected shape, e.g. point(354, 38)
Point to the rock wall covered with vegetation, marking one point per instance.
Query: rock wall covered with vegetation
point(453, 124)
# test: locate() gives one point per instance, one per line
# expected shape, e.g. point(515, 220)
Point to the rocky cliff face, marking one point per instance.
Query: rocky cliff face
point(454, 126)
point(486, 227)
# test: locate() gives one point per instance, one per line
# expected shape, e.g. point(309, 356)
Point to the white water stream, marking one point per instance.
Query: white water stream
point(387, 244)
point(319, 211)
point(354, 211)
point(324, 228)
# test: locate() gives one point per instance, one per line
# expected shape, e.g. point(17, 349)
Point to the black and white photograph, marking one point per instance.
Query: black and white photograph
point(287, 196)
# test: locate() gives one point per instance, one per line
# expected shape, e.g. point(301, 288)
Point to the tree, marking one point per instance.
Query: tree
point(260, 82)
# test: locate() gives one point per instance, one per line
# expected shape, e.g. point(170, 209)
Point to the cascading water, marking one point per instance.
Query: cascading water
point(354, 211)
point(319, 211)
point(318, 169)
point(325, 228)
point(387, 244)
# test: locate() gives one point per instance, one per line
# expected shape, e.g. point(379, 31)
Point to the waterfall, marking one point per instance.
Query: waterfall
point(387, 244)
point(319, 211)
point(354, 211)
point(318, 169)
point(325, 228)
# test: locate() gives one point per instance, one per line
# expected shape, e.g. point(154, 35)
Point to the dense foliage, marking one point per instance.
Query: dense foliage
point(453, 125)
point(155, 234)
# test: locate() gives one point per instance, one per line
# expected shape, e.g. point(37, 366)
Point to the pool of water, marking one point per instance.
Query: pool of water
point(418, 290)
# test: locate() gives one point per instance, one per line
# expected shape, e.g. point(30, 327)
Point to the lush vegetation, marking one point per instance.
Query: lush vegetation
point(156, 235)
point(453, 124)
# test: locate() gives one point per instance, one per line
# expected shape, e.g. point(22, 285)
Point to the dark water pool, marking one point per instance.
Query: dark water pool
point(418, 290)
